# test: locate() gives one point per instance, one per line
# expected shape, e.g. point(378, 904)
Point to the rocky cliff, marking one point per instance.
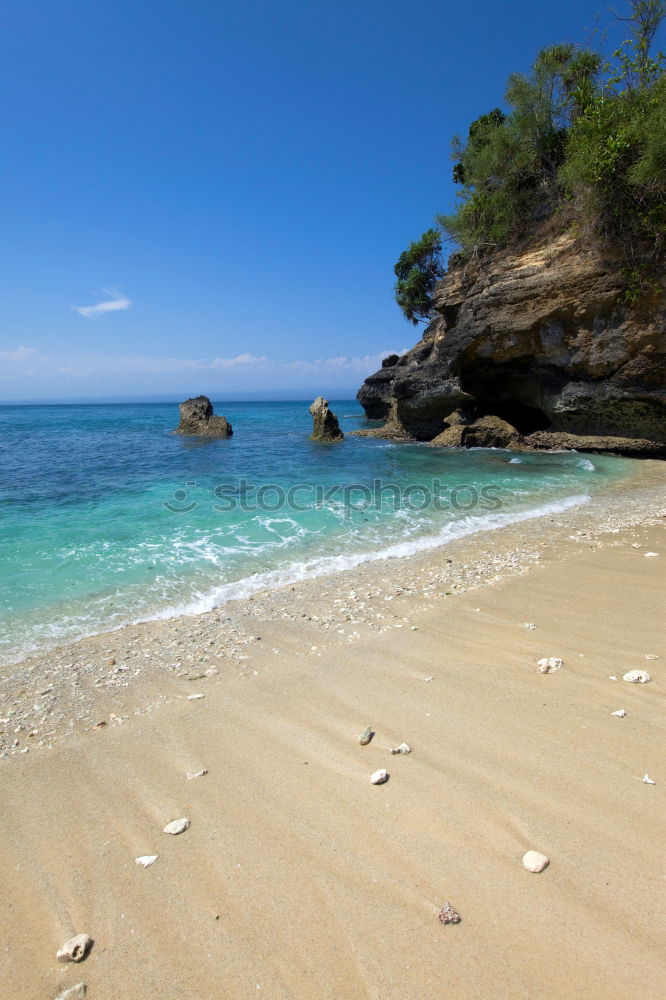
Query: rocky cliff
point(536, 338)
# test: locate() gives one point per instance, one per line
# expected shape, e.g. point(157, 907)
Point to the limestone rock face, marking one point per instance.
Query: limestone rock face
point(325, 425)
point(196, 417)
point(536, 338)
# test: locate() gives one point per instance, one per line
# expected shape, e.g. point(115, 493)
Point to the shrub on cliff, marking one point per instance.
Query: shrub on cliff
point(418, 270)
point(578, 134)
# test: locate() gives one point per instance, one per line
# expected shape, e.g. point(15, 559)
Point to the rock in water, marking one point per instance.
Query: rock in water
point(196, 417)
point(325, 425)
point(379, 777)
point(548, 664)
point(366, 736)
point(177, 826)
point(77, 992)
point(76, 949)
point(637, 677)
point(535, 862)
point(448, 915)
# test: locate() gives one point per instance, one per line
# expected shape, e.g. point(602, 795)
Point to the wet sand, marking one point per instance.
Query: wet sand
point(300, 879)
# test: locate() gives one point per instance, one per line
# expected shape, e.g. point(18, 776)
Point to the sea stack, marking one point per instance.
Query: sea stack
point(325, 425)
point(197, 417)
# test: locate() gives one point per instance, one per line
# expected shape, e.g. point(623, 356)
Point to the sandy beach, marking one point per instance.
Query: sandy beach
point(297, 877)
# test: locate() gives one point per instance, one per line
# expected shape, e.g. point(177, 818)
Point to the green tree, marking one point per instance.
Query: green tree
point(418, 270)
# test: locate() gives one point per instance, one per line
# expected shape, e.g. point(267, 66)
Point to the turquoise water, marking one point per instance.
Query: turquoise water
point(108, 517)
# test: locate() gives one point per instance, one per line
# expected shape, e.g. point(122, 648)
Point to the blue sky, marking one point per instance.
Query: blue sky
point(234, 181)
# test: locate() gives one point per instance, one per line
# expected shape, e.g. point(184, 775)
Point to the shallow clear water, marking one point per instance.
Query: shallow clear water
point(108, 517)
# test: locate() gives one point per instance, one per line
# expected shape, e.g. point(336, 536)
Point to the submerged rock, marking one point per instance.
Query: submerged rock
point(325, 425)
point(76, 949)
point(197, 418)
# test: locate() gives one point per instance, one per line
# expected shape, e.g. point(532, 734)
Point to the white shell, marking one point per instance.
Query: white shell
point(146, 860)
point(651, 555)
point(76, 949)
point(77, 992)
point(637, 677)
point(403, 748)
point(196, 774)
point(529, 625)
point(535, 862)
point(620, 713)
point(194, 697)
point(177, 826)
point(648, 780)
point(651, 656)
point(379, 777)
point(548, 664)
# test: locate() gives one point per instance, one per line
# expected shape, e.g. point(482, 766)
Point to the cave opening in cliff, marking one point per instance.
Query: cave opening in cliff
point(503, 391)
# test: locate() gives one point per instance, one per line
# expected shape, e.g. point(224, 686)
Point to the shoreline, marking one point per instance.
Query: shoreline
point(298, 878)
point(74, 685)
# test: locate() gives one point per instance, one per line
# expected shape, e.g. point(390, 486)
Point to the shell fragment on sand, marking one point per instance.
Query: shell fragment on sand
point(403, 748)
point(194, 697)
point(177, 826)
point(76, 949)
point(533, 861)
point(648, 780)
point(379, 777)
point(549, 664)
point(637, 677)
point(530, 625)
point(651, 555)
point(366, 736)
point(191, 775)
point(620, 713)
point(146, 860)
point(447, 915)
point(77, 992)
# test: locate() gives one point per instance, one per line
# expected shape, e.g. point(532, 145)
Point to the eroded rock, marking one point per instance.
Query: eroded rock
point(325, 423)
point(76, 949)
point(197, 418)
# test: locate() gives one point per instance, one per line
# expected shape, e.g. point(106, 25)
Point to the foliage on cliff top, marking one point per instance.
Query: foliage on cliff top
point(582, 140)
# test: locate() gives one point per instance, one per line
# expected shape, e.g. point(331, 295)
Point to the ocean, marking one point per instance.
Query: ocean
point(110, 518)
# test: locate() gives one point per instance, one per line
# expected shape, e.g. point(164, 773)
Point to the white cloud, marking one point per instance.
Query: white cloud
point(116, 302)
point(19, 354)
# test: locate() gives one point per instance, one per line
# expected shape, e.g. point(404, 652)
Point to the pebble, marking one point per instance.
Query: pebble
point(535, 862)
point(196, 774)
point(76, 949)
point(194, 697)
point(648, 780)
point(146, 860)
point(403, 748)
point(366, 736)
point(651, 555)
point(620, 713)
point(177, 826)
point(77, 992)
point(448, 915)
point(549, 664)
point(637, 677)
point(379, 777)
